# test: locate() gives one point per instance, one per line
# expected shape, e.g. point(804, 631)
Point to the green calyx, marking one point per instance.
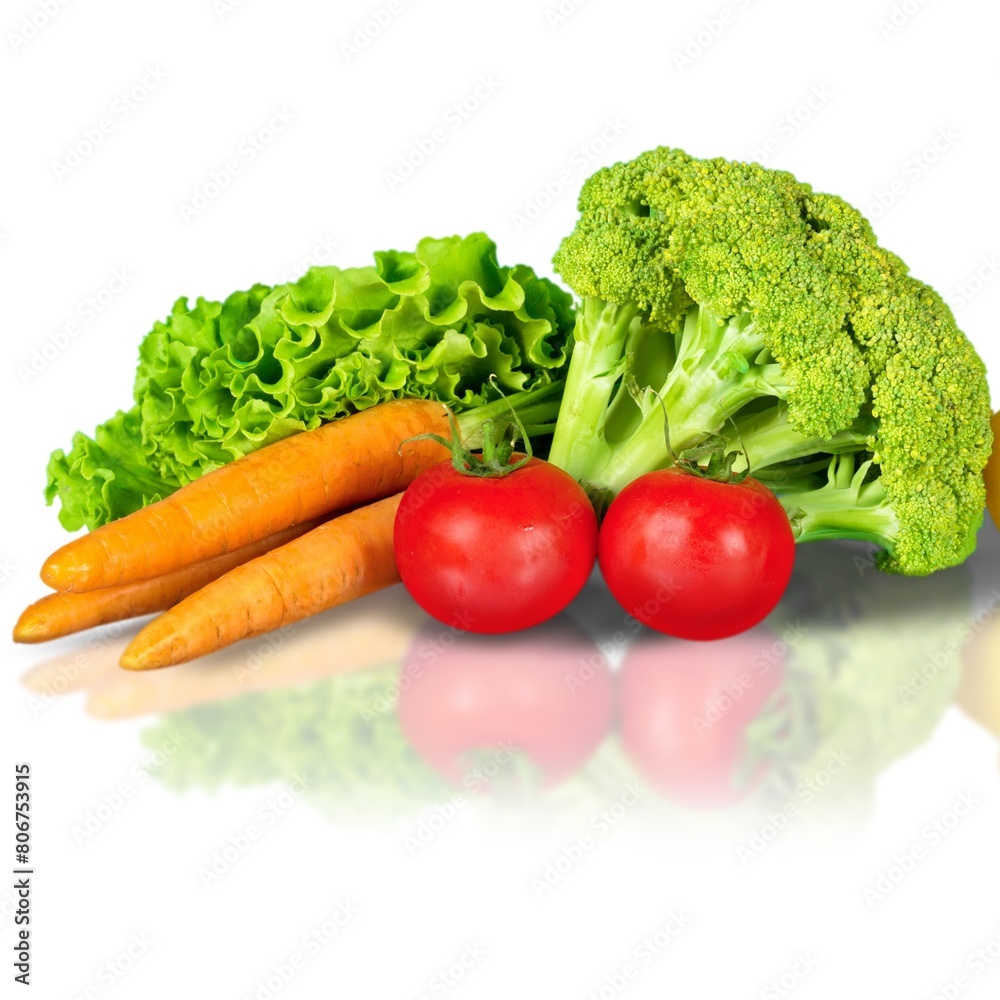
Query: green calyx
point(711, 458)
point(499, 438)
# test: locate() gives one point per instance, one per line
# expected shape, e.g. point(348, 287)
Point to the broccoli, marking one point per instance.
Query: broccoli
point(733, 306)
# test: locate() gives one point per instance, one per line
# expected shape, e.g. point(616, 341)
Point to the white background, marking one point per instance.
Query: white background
point(517, 103)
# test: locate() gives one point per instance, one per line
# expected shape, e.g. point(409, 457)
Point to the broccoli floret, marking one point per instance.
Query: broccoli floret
point(725, 300)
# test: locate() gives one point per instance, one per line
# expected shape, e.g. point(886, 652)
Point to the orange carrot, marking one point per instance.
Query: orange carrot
point(345, 558)
point(353, 460)
point(63, 614)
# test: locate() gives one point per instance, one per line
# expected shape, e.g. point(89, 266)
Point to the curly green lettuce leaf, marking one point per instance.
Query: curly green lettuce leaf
point(106, 476)
point(217, 380)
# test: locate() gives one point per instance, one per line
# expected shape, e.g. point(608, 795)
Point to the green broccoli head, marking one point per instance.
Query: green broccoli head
point(763, 294)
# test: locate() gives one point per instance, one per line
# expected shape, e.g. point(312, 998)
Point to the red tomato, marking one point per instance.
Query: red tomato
point(684, 709)
point(477, 708)
point(694, 558)
point(495, 554)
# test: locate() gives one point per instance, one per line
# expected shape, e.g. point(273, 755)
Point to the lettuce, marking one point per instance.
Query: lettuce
point(359, 764)
point(217, 380)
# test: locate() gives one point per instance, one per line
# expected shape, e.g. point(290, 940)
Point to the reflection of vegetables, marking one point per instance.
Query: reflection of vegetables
point(978, 694)
point(696, 558)
point(354, 637)
point(495, 545)
point(718, 290)
point(219, 380)
point(992, 473)
point(344, 558)
point(684, 710)
point(63, 614)
point(303, 477)
point(340, 734)
point(871, 670)
point(545, 696)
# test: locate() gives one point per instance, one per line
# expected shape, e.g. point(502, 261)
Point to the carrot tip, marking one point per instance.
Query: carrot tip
point(51, 574)
point(142, 659)
point(29, 629)
point(55, 576)
point(63, 571)
point(130, 661)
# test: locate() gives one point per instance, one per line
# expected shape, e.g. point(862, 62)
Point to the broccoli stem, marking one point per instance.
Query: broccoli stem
point(847, 505)
point(768, 440)
point(616, 409)
point(597, 364)
point(719, 366)
point(718, 371)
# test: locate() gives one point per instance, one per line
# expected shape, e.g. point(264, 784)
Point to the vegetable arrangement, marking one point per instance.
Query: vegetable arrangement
point(746, 369)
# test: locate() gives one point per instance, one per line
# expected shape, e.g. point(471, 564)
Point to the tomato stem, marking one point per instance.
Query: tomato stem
point(711, 458)
point(499, 438)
